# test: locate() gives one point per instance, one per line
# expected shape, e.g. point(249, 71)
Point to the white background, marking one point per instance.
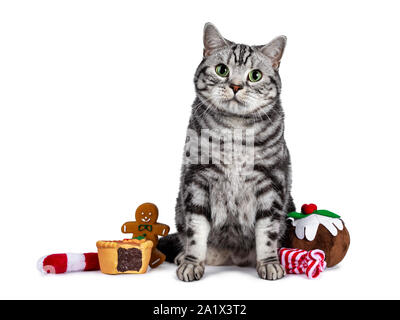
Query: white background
point(94, 102)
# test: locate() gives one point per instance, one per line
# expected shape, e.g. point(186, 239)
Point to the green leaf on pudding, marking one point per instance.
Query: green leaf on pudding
point(296, 215)
point(326, 213)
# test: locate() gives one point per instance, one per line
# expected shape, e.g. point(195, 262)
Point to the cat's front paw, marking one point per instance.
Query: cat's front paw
point(189, 271)
point(270, 271)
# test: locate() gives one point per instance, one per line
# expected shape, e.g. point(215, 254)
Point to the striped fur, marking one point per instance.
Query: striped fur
point(229, 213)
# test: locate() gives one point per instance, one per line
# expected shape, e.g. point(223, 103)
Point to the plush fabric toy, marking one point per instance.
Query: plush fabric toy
point(68, 262)
point(126, 256)
point(298, 261)
point(318, 229)
point(146, 226)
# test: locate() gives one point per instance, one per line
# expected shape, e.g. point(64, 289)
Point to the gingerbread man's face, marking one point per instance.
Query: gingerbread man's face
point(147, 213)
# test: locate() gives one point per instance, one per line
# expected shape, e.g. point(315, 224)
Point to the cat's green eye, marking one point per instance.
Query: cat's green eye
point(222, 70)
point(255, 75)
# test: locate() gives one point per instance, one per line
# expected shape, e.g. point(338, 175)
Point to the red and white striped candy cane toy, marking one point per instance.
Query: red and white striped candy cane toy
point(69, 262)
point(298, 261)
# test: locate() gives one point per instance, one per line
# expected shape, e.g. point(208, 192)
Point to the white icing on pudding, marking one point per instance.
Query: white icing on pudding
point(307, 227)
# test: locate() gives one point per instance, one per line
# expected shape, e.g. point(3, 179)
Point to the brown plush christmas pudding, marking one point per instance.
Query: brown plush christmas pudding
point(126, 256)
point(318, 229)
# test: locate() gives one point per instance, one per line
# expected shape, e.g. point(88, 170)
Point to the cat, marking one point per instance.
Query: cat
point(234, 212)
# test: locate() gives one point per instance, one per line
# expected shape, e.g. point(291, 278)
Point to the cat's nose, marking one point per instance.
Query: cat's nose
point(235, 87)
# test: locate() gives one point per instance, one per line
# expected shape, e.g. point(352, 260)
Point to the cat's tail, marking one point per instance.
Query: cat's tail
point(68, 262)
point(171, 246)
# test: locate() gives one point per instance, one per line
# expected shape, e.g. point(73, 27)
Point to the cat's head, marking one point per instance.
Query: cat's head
point(238, 79)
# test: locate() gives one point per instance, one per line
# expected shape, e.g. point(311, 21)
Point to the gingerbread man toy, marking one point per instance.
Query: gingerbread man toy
point(146, 226)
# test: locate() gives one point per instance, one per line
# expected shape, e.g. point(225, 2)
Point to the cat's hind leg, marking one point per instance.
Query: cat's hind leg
point(218, 257)
point(171, 246)
point(244, 260)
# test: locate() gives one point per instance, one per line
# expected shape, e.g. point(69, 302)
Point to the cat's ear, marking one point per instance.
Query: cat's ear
point(212, 39)
point(274, 50)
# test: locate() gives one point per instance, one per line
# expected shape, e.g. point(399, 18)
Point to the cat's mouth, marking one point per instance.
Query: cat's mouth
point(236, 99)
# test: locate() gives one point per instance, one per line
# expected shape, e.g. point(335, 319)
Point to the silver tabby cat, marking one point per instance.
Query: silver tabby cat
point(231, 212)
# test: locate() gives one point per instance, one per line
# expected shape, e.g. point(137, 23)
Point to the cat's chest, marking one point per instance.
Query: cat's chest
point(232, 200)
point(231, 182)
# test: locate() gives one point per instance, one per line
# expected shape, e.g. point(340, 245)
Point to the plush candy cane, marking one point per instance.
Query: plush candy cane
point(298, 261)
point(68, 262)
